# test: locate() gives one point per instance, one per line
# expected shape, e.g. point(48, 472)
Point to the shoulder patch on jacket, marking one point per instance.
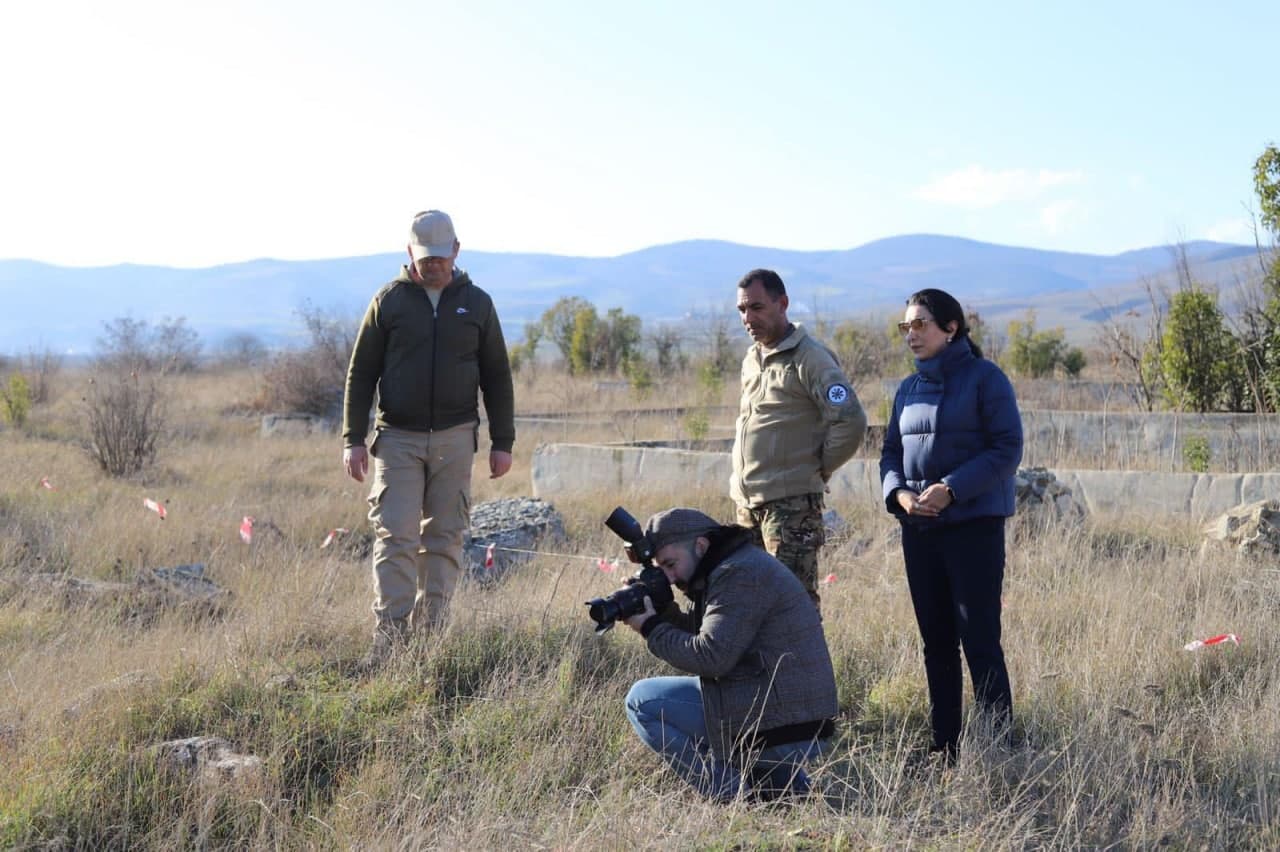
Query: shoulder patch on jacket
point(837, 394)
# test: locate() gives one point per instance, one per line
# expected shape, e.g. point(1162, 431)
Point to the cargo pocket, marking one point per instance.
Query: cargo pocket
point(375, 499)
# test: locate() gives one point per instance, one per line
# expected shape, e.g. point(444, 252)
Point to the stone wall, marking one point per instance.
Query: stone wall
point(563, 469)
point(1153, 440)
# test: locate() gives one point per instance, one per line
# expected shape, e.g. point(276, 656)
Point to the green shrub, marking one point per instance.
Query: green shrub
point(1196, 453)
point(15, 400)
point(697, 425)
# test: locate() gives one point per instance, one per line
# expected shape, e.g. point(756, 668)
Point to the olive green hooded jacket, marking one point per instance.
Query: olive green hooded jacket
point(427, 364)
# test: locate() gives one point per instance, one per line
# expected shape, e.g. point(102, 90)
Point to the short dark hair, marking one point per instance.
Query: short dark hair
point(770, 280)
point(945, 310)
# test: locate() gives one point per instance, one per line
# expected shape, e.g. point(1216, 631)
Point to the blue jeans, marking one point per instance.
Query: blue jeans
point(666, 712)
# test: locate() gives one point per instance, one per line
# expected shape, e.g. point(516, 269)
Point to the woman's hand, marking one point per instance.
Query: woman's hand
point(936, 498)
point(928, 504)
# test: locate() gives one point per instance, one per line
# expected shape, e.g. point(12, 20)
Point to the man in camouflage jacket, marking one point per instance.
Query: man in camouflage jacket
point(798, 421)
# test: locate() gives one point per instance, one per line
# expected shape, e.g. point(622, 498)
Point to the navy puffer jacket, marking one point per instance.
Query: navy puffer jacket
point(955, 421)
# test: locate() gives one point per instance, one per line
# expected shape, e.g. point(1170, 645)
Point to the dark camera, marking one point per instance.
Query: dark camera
point(648, 582)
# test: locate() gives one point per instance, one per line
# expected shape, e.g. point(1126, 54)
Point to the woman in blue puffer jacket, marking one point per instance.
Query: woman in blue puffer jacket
point(951, 451)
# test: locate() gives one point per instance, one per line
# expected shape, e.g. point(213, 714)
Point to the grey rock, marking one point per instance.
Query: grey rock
point(515, 526)
point(1042, 499)
point(183, 582)
point(183, 586)
point(208, 759)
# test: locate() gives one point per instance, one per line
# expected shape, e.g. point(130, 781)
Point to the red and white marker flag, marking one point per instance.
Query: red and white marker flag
point(155, 506)
point(333, 534)
point(488, 556)
point(46, 484)
point(606, 565)
point(829, 579)
point(246, 529)
point(1212, 640)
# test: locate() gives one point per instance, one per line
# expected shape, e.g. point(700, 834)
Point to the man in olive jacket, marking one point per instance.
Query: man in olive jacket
point(762, 700)
point(428, 342)
point(799, 420)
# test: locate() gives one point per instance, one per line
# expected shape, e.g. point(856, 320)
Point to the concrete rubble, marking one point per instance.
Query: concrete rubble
point(1251, 529)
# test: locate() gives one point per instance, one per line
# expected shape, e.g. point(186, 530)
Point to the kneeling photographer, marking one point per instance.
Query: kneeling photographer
point(764, 696)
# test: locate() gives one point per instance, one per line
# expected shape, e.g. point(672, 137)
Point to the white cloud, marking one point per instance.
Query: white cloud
point(1059, 216)
point(978, 187)
point(1230, 231)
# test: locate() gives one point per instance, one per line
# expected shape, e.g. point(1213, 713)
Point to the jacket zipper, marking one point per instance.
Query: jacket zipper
point(435, 344)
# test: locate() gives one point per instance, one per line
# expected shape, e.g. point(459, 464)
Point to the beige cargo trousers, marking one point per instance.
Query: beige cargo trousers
point(420, 506)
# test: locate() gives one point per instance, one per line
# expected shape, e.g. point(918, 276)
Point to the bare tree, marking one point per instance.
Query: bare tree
point(125, 413)
point(243, 349)
point(1131, 349)
point(175, 346)
point(668, 354)
point(130, 345)
point(40, 367)
point(311, 379)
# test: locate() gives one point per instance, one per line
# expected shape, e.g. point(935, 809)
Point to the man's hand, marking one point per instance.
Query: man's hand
point(499, 463)
point(355, 461)
point(637, 621)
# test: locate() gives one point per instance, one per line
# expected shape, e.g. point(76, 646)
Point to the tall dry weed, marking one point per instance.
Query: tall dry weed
point(507, 728)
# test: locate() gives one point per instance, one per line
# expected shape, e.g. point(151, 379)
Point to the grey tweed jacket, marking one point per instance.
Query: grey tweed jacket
point(754, 638)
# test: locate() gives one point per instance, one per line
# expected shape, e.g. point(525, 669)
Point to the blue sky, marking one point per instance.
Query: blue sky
point(191, 134)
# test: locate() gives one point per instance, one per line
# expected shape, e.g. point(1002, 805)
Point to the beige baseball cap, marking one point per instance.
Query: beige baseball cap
point(432, 235)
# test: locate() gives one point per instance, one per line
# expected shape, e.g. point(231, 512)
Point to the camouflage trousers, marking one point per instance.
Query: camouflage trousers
point(792, 530)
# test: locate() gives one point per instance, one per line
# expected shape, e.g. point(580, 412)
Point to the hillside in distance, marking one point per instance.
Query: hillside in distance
point(63, 308)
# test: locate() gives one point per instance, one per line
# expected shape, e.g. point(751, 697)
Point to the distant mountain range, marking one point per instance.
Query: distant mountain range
point(63, 308)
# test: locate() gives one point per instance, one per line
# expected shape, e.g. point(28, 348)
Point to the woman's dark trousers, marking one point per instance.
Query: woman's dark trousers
point(955, 573)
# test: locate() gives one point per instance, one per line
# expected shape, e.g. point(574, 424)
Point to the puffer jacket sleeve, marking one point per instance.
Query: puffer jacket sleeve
point(892, 475)
point(1002, 425)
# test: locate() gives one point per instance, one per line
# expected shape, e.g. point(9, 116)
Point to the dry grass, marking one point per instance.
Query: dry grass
point(507, 730)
